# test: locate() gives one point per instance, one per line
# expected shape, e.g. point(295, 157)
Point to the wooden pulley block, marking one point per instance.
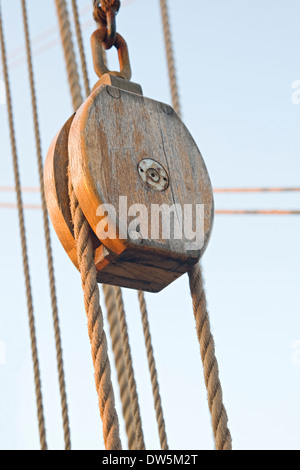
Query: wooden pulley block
point(140, 181)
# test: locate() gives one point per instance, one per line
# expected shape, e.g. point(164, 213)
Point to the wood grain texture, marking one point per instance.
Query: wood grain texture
point(102, 145)
point(111, 133)
point(57, 197)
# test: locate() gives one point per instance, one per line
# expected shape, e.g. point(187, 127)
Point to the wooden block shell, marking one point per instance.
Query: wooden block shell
point(56, 191)
point(112, 132)
point(103, 145)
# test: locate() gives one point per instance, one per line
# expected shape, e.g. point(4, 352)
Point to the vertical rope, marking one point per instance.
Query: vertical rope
point(170, 55)
point(81, 47)
point(96, 331)
point(85, 255)
point(211, 370)
point(140, 445)
point(68, 47)
point(37, 378)
point(115, 333)
point(59, 353)
point(153, 373)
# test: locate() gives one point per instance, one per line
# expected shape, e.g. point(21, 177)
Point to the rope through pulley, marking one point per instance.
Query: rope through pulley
point(115, 151)
point(120, 341)
point(211, 371)
point(81, 233)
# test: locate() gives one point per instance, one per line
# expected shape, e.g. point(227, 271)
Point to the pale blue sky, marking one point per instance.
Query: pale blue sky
point(236, 62)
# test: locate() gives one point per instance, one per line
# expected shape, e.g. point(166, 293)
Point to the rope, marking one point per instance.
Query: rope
point(59, 353)
point(81, 47)
point(115, 333)
point(215, 190)
point(36, 368)
point(153, 373)
point(266, 212)
point(140, 445)
point(170, 56)
point(109, 292)
point(11, 205)
point(10, 189)
point(212, 381)
point(87, 266)
point(210, 364)
point(16, 62)
point(256, 190)
point(96, 332)
point(68, 47)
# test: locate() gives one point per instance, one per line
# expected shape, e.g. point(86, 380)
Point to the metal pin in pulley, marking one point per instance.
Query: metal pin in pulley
point(121, 147)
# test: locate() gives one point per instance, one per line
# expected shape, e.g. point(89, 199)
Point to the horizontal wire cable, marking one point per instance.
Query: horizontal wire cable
point(257, 212)
point(9, 205)
point(255, 190)
point(47, 236)
point(215, 190)
point(12, 189)
point(24, 246)
point(16, 61)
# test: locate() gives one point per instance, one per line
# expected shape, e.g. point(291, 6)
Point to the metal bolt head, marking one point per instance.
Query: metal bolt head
point(153, 175)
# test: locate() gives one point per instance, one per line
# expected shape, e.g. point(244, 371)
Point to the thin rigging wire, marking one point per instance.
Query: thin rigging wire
point(9, 205)
point(215, 190)
point(153, 373)
point(257, 212)
point(117, 347)
point(34, 348)
point(81, 47)
point(255, 190)
point(16, 61)
point(135, 407)
point(170, 56)
point(51, 275)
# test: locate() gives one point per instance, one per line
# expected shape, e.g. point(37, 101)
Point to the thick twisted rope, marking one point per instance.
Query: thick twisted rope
point(140, 445)
point(170, 55)
point(153, 373)
point(211, 371)
point(59, 353)
point(115, 333)
point(36, 368)
point(68, 47)
point(81, 47)
point(85, 256)
point(96, 331)
point(108, 290)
